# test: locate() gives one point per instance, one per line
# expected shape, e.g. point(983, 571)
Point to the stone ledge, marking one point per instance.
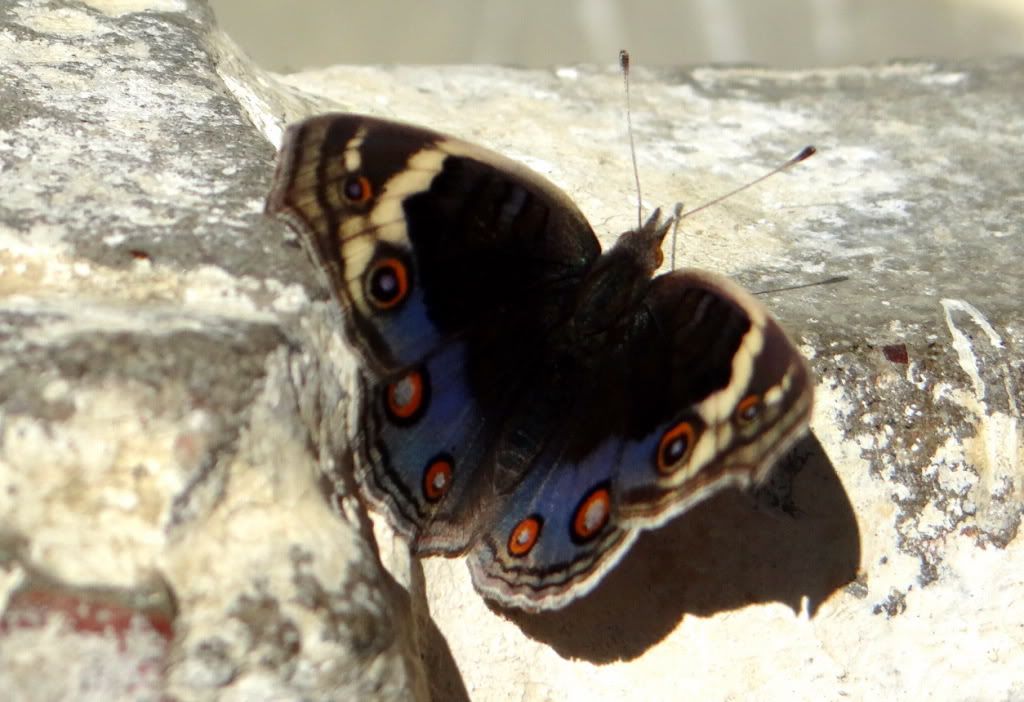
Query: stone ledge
point(172, 384)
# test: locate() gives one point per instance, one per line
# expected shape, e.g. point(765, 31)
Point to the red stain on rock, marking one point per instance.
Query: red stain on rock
point(84, 614)
point(896, 353)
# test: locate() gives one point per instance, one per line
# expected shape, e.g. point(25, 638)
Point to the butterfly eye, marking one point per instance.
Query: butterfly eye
point(675, 446)
point(357, 189)
point(748, 409)
point(407, 397)
point(525, 534)
point(387, 282)
point(592, 513)
point(437, 478)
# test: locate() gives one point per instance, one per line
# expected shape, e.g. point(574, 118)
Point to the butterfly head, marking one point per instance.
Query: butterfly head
point(619, 280)
point(643, 245)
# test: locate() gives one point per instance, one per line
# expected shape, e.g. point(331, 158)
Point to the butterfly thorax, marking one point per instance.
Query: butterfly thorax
point(615, 287)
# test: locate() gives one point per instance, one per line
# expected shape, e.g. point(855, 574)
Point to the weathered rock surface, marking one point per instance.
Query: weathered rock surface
point(165, 414)
point(173, 386)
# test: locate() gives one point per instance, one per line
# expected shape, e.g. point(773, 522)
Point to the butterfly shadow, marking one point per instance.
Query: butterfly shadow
point(798, 542)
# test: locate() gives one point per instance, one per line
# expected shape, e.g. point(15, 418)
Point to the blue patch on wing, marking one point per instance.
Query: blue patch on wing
point(562, 563)
point(407, 331)
point(639, 461)
point(398, 457)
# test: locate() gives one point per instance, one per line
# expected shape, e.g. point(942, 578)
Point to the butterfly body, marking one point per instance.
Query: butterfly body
point(525, 397)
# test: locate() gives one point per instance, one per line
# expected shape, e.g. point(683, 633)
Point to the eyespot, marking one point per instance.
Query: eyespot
point(592, 513)
point(387, 282)
point(407, 397)
point(525, 535)
point(437, 478)
point(748, 409)
point(675, 446)
point(357, 189)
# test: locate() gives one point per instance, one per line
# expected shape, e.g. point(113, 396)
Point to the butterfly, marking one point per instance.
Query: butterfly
point(526, 398)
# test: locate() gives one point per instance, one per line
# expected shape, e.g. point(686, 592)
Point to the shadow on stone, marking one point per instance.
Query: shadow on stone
point(443, 674)
point(443, 677)
point(724, 555)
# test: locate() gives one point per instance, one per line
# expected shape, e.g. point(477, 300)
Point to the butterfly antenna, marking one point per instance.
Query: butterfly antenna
point(827, 281)
point(804, 154)
point(624, 65)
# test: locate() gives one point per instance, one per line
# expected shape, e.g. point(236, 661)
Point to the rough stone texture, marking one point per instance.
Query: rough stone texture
point(165, 411)
point(172, 383)
point(67, 643)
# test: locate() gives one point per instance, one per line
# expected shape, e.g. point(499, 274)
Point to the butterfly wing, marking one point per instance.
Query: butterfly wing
point(737, 407)
point(558, 535)
point(423, 237)
point(705, 391)
point(452, 263)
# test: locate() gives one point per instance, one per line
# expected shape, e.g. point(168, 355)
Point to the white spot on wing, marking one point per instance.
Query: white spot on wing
point(386, 221)
point(414, 178)
point(353, 156)
point(719, 406)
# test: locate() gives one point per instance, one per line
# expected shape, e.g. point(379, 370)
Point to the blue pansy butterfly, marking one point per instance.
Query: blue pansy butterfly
point(525, 397)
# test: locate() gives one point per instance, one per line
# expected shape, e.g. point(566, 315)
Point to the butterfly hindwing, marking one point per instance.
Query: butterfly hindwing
point(705, 392)
point(736, 394)
point(422, 436)
point(557, 535)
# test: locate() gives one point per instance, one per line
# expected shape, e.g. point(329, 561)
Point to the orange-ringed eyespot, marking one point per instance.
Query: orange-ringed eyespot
point(407, 398)
point(675, 446)
point(748, 408)
point(387, 282)
point(437, 478)
point(592, 513)
point(524, 535)
point(357, 189)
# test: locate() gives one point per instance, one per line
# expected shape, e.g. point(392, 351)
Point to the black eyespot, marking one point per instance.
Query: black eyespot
point(674, 446)
point(592, 514)
point(524, 535)
point(675, 449)
point(749, 408)
point(437, 477)
point(407, 397)
point(357, 189)
point(387, 282)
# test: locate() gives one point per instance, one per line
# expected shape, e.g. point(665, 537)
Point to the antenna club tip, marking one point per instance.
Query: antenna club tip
point(624, 59)
point(806, 153)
